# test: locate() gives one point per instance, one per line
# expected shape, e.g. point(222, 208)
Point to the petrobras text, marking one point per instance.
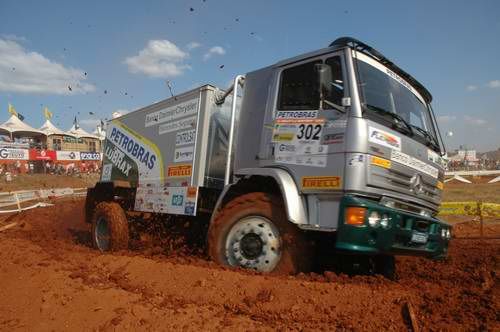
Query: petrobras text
point(132, 147)
point(296, 114)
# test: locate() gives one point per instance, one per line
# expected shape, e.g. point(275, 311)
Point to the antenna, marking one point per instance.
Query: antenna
point(170, 89)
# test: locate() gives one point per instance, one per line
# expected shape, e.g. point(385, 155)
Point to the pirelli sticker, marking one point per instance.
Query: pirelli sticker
point(321, 182)
point(180, 171)
point(381, 162)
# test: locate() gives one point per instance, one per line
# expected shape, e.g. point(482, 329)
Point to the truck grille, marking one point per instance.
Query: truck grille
point(400, 181)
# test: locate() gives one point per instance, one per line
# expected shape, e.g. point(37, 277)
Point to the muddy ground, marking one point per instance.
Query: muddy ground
point(46, 181)
point(50, 279)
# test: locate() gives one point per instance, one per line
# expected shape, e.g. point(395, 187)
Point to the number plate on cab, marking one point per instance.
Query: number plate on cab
point(419, 237)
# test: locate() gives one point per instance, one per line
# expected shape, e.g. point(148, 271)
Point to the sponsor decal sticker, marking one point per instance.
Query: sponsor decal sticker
point(117, 158)
point(134, 148)
point(285, 130)
point(179, 170)
point(298, 142)
point(90, 156)
point(189, 208)
point(433, 156)
point(301, 160)
point(333, 138)
point(11, 154)
point(388, 72)
point(191, 192)
point(384, 138)
point(184, 154)
point(185, 137)
point(381, 162)
point(134, 158)
point(321, 182)
point(414, 163)
point(339, 123)
point(171, 113)
point(296, 114)
point(106, 172)
point(177, 200)
point(42, 154)
point(186, 123)
point(68, 155)
point(356, 160)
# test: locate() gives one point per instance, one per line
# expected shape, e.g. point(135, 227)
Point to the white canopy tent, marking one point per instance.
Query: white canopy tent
point(15, 127)
point(80, 133)
point(100, 132)
point(49, 129)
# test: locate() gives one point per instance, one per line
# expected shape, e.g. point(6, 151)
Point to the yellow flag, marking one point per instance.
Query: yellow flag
point(47, 113)
point(12, 110)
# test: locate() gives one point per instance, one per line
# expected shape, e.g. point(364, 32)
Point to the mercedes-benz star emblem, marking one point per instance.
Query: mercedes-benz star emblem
point(416, 184)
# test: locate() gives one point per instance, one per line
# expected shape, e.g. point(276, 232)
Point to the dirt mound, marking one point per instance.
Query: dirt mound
point(52, 279)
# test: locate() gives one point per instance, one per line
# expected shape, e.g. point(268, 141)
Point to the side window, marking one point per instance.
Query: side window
point(336, 91)
point(298, 88)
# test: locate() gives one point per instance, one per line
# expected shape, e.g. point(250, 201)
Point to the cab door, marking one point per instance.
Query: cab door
point(309, 121)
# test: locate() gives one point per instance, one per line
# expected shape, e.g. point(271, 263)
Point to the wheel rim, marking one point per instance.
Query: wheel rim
point(102, 236)
point(254, 243)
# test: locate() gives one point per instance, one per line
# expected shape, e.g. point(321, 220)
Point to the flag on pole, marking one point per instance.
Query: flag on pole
point(12, 110)
point(47, 113)
point(75, 123)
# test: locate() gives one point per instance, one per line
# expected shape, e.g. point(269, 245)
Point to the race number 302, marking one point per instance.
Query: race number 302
point(309, 132)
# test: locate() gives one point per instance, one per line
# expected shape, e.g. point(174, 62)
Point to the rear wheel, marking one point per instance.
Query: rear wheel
point(109, 227)
point(252, 231)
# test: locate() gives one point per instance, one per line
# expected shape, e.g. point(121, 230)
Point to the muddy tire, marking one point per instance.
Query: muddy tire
point(252, 231)
point(109, 227)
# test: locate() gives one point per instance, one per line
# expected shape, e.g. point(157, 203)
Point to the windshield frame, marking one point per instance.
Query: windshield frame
point(427, 116)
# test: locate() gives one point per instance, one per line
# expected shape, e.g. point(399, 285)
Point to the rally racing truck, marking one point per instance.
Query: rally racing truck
point(334, 153)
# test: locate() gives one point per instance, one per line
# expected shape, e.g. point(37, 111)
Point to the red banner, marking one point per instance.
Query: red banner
point(42, 154)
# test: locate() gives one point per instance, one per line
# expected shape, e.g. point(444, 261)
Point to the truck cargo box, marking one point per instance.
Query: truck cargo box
point(168, 150)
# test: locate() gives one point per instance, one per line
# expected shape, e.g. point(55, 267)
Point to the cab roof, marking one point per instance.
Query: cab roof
point(369, 51)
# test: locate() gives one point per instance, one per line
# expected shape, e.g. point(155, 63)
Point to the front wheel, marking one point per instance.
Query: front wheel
point(109, 227)
point(252, 231)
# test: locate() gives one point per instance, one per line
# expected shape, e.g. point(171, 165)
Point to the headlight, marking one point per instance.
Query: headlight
point(384, 222)
point(446, 233)
point(425, 213)
point(374, 219)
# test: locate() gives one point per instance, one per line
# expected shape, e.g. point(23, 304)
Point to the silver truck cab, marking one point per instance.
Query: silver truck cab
point(352, 143)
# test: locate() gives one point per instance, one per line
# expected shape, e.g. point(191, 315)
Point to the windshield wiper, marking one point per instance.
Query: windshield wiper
point(431, 140)
point(398, 119)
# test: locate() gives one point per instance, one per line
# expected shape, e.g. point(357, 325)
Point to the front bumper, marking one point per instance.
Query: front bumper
point(402, 236)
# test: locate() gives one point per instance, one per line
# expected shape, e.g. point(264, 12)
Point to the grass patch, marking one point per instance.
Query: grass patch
point(462, 192)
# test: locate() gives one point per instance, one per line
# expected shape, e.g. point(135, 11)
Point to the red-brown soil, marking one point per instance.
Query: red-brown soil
point(46, 181)
point(52, 280)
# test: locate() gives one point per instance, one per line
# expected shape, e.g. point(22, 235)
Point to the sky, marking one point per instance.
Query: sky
point(119, 55)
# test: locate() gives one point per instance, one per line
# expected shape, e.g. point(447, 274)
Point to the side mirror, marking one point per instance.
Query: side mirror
point(324, 75)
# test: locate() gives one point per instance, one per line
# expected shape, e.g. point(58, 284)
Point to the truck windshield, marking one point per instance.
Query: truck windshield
point(384, 91)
